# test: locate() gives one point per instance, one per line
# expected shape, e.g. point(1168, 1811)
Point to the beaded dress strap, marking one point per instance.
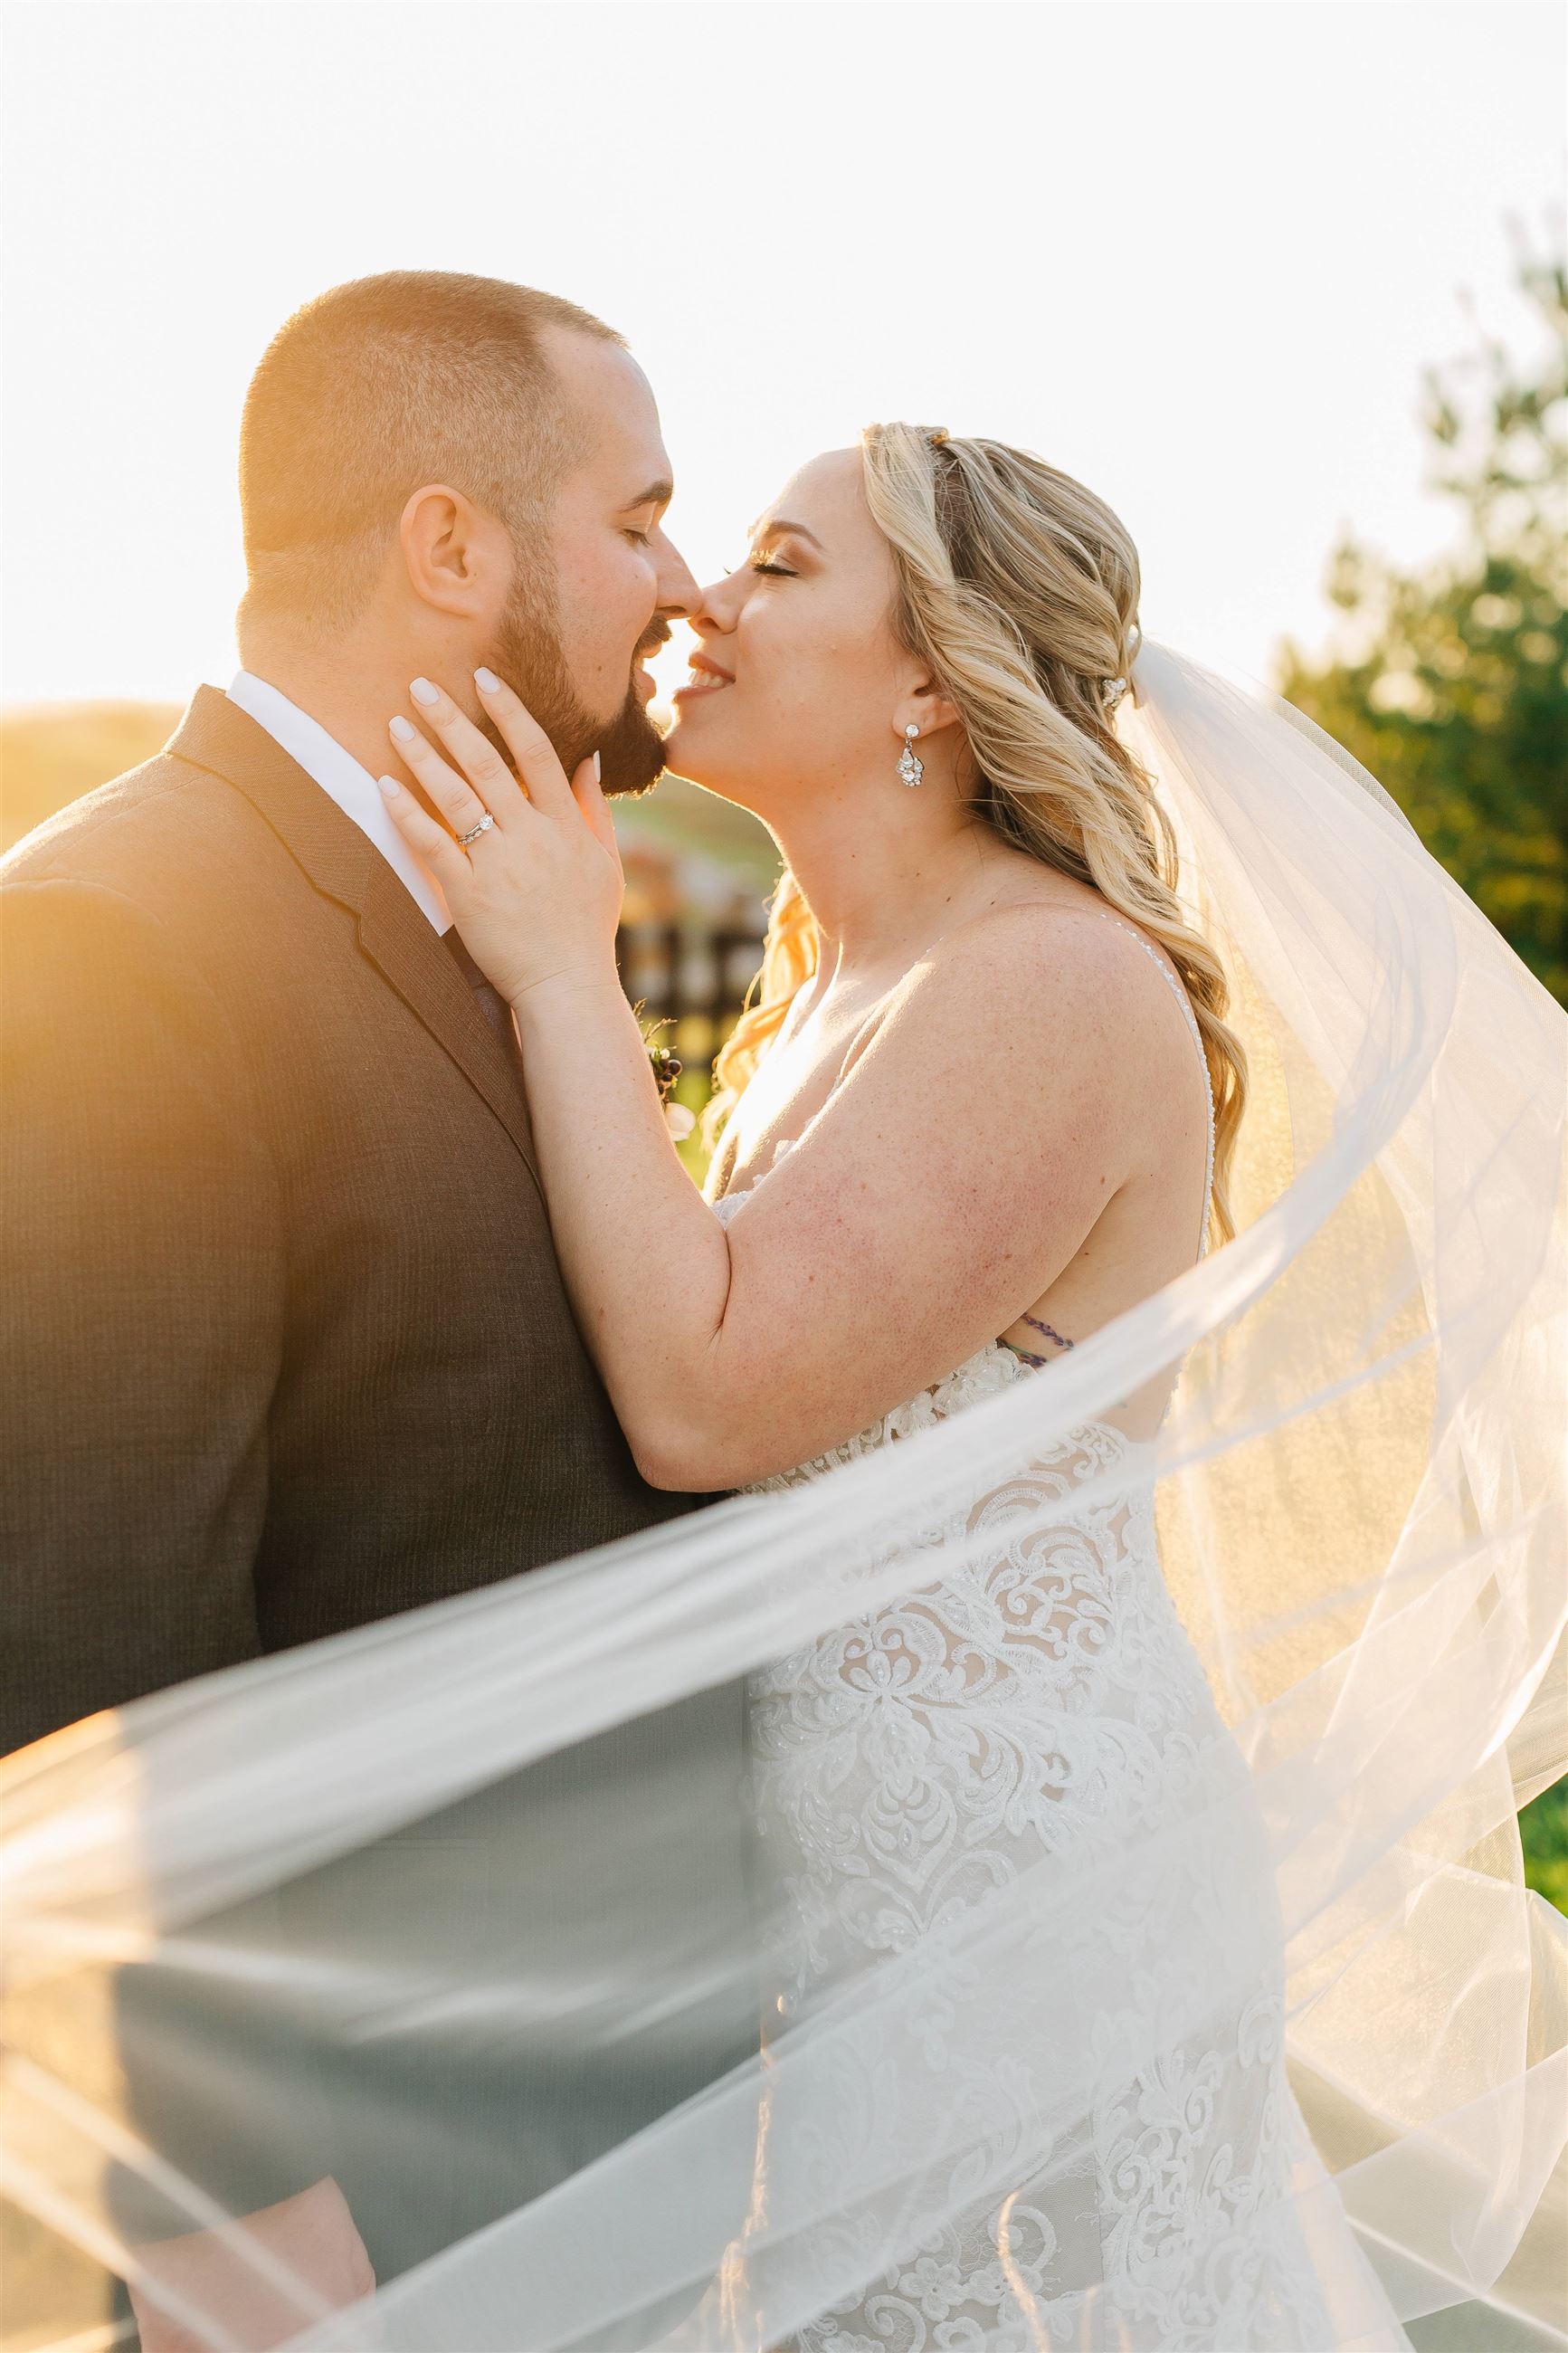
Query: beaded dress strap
point(1180, 994)
point(1027, 1355)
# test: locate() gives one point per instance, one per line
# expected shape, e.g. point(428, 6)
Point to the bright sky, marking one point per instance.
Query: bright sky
point(1196, 255)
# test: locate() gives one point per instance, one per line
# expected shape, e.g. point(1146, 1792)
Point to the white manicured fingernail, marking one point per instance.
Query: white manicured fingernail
point(390, 788)
point(403, 729)
point(423, 691)
point(598, 768)
point(487, 681)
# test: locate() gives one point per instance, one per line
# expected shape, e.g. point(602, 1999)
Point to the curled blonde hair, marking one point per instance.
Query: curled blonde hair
point(1017, 589)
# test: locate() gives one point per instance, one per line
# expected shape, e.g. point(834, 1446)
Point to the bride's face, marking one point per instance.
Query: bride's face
point(798, 679)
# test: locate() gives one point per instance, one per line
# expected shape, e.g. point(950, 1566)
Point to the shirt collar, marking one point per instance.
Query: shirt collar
point(340, 777)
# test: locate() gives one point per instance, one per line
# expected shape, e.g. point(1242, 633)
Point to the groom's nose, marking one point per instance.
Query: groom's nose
point(677, 591)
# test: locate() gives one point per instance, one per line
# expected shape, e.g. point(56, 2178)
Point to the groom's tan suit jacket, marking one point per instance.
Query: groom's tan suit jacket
point(284, 1347)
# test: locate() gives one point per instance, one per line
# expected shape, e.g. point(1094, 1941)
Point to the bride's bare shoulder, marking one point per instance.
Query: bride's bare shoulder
point(1074, 946)
point(1042, 982)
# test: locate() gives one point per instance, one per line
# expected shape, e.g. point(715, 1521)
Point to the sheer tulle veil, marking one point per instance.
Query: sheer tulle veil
point(1359, 1499)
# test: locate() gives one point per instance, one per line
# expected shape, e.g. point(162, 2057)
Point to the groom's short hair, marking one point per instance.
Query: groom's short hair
point(414, 377)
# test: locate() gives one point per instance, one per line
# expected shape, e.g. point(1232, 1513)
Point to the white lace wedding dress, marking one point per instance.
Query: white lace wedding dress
point(1041, 1702)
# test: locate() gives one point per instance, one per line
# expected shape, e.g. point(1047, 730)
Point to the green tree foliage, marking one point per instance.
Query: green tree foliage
point(1543, 1831)
point(1451, 684)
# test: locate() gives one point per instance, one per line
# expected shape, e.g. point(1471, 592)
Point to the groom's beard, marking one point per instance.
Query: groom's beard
point(527, 654)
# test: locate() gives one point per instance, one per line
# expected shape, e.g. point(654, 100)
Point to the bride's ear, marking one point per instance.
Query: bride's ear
point(927, 708)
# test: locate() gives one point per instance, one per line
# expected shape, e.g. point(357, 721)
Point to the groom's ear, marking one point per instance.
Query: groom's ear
point(458, 559)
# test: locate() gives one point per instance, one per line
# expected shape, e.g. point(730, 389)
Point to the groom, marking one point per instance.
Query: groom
point(284, 1345)
point(283, 1342)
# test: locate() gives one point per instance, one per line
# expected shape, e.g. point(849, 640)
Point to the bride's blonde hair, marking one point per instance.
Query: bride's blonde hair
point(1017, 589)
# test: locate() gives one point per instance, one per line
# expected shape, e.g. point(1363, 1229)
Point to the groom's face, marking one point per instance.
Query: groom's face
point(579, 626)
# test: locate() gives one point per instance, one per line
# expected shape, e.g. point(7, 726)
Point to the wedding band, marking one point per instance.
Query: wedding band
point(483, 826)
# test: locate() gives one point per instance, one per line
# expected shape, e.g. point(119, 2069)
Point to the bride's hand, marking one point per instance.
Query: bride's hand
point(536, 891)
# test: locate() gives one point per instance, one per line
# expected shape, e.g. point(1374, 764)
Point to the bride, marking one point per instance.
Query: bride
point(987, 1102)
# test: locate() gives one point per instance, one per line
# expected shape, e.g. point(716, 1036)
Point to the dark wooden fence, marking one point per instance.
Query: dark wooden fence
point(689, 979)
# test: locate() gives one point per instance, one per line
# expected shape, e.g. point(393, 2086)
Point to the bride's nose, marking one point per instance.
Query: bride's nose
point(714, 613)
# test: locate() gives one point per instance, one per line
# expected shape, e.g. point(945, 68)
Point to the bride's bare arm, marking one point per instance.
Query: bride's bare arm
point(955, 1173)
point(958, 1169)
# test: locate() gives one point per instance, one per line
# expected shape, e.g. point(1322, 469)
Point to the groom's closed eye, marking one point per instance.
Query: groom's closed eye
point(648, 506)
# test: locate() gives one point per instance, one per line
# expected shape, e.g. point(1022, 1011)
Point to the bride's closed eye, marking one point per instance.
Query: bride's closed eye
point(779, 571)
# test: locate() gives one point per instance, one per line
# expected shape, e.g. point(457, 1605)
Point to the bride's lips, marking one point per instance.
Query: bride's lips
point(705, 678)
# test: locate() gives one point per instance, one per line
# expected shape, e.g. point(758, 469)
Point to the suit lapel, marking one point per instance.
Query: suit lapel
point(417, 963)
point(344, 865)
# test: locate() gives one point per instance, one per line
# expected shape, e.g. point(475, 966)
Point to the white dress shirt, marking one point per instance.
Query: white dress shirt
point(353, 789)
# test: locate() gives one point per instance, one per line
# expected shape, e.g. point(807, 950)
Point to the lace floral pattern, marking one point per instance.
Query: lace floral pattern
point(1043, 1701)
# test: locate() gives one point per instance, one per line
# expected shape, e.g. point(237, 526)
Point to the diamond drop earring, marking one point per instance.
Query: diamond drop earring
point(912, 767)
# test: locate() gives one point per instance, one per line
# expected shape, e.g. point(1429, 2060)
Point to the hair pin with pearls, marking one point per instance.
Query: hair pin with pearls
point(1115, 688)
